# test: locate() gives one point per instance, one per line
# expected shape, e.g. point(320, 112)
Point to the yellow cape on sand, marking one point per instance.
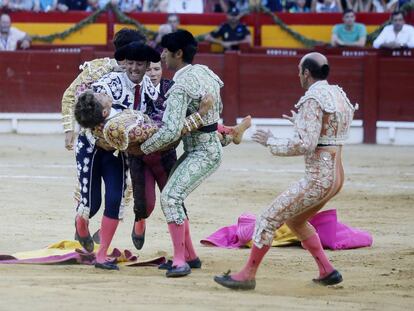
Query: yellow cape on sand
point(59, 249)
point(283, 237)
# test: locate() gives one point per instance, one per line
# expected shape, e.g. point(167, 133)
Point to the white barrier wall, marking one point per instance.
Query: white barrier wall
point(31, 123)
point(393, 133)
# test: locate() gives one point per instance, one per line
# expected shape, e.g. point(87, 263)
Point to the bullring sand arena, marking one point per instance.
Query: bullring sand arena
point(37, 180)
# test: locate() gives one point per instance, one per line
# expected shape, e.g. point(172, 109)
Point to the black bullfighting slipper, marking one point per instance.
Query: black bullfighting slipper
point(227, 281)
point(106, 266)
point(176, 272)
point(86, 242)
point(331, 279)
point(138, 239)
point(194, 264)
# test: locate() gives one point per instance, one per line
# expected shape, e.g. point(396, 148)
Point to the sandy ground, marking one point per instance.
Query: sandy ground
point(36, 181)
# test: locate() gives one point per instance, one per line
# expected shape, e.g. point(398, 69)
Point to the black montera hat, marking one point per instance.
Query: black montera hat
point(178, 40)
point(137, 51)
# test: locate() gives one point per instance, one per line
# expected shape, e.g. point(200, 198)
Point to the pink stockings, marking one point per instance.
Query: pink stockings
point(249, 270)
point(314, 246)
point(82, 226)
point(183, 246)
point(108, 228)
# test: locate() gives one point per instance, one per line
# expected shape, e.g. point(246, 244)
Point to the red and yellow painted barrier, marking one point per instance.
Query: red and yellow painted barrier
point(94, 34)
point(264, 31)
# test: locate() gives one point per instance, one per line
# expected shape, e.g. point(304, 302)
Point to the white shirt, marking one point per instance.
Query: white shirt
point(122, 90)
point(404, 37)
point(10, 43)
point(185, 6)
point(158, 88)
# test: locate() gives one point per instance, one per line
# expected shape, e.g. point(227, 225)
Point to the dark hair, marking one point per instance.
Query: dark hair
point(126, 36)
point(181, 40)
point(348, 11)
point(188, 53)
point(317, 72)
point(396, 13)
point(88, 110)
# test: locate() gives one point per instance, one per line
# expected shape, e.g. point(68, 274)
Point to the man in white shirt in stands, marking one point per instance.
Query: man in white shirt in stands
point(397, 35)
point(11, 36)
point(185, 6)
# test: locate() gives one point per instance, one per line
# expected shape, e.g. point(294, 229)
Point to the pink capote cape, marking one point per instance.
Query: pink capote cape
point(333, 234)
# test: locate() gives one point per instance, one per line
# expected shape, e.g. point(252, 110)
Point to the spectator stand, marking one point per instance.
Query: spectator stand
point(284, 30)
point(260, 80)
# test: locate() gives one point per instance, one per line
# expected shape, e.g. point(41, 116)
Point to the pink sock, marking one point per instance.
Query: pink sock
point(108, 228)
point(177, 233)
point(314, 246)
point(249, 270)
point(82, 226)
point(190, 253)
point(139, 227)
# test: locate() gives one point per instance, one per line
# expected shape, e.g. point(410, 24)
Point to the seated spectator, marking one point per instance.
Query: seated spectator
point(326, 6)
point(220, 6)
point(93, 5)
point(72, 5)
point(19, 5)
point(378, 6)
point(395, 5)
point(155, 6)
point(397, 35)
point(185, 6)
point(349, 33)
point(44, 5)
point(273, 5)
point(11, 36)
point(298, 6)
point(129, 6)
point(360, 5)
point(173, 21)
point(391, 5)
point(229, 35)
point(402, 2)
point(214, 6)
point(241, 5)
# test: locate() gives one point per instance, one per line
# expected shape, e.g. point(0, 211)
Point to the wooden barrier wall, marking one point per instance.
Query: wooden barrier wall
point(264, 86)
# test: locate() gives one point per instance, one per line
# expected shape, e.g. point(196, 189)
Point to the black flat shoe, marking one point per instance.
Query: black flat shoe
point(176, 272)
point(107, 266)
point(86, 242)
point(137, 239)
point(194, 264)
point(227, 281)
point(331, 279)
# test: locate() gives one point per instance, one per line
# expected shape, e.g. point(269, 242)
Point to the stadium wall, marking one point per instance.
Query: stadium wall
point(263, 84)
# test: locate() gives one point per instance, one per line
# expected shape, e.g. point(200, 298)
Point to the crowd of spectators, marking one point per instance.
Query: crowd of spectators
point(203, 6)
point(394, 36)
